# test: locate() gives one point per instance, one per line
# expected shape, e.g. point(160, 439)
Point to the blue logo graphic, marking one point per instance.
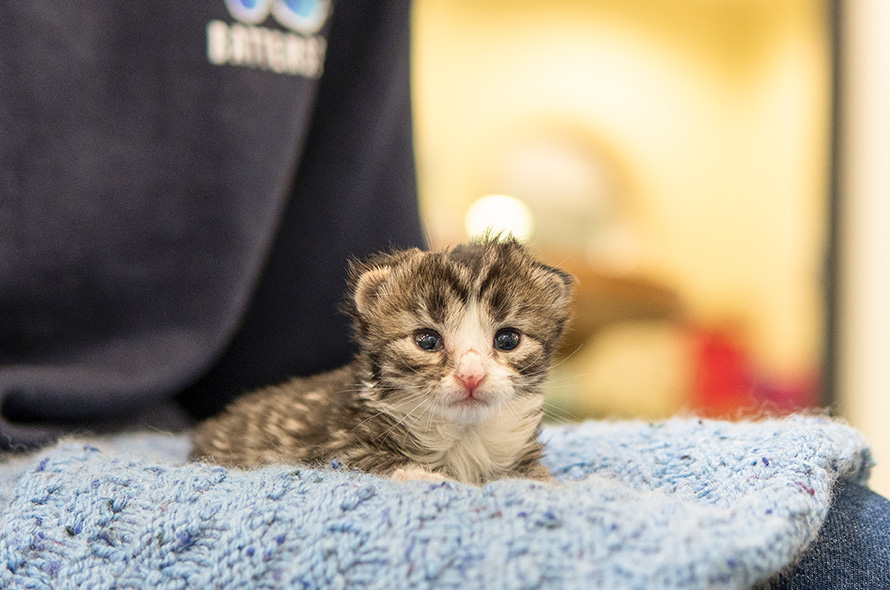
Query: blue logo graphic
point(302, 16)
point(249, 11)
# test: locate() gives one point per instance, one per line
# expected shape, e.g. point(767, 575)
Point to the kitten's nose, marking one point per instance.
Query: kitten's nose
point(470, 371)
point(471, 380)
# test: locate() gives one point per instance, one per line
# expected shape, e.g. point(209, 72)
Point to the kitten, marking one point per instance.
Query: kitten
point(455, 346)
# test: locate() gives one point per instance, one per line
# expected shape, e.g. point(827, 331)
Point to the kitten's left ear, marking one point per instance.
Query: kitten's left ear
point(561, 282)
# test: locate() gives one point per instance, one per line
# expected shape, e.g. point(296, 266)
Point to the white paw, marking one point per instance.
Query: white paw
point(416, 473)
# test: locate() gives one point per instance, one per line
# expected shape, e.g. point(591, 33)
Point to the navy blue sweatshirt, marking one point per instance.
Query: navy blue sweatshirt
point(181, 184)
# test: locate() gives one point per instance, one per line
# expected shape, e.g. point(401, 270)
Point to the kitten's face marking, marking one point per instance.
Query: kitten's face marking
point(477, 380)
point(458, 335)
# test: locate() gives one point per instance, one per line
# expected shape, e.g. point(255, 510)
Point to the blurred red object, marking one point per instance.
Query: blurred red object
point(726, 383)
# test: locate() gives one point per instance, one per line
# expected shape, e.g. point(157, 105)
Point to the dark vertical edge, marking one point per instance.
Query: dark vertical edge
point(829, 389)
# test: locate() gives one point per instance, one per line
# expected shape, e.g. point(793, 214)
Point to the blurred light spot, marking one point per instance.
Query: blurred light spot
point(500, 214)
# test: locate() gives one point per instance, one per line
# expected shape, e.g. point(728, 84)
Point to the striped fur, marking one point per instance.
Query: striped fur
point(401, 409)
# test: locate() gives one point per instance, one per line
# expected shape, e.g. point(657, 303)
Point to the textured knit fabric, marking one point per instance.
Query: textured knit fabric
point(679, 504)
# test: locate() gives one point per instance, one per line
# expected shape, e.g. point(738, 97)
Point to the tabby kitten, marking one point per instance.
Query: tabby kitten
point(455, 346)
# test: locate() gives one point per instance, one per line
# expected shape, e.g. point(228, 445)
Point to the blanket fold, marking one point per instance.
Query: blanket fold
point(683, 503)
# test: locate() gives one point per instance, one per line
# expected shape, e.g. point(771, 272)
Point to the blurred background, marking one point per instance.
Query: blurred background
point(709, 170)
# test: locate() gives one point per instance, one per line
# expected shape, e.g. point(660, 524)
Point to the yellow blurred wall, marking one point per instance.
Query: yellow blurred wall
point(864, 359)
point(716, 113)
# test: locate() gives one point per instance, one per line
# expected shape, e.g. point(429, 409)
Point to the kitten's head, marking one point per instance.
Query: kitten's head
point(458, 333)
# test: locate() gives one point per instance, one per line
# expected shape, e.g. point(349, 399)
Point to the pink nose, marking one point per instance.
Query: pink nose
point(470, 380)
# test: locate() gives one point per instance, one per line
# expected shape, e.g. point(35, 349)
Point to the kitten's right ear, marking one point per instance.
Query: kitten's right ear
point(367, 289)
point(367, 279)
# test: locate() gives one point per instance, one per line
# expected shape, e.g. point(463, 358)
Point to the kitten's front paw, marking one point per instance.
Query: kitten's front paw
point(416, 473)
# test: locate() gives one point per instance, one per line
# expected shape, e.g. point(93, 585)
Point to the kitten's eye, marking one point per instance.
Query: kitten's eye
point(506, 339)
point(428, 340)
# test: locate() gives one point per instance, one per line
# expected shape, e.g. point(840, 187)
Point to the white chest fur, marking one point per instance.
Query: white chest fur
point(475, 452)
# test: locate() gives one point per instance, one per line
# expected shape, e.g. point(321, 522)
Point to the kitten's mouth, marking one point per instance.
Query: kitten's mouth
point(466, 408)
point(469, 399)
point(469, 402)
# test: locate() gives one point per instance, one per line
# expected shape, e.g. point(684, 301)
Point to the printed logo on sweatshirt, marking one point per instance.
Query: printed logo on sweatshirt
point(298, 51)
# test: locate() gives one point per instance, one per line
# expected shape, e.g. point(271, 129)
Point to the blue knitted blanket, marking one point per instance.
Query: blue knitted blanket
point(684, 503)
